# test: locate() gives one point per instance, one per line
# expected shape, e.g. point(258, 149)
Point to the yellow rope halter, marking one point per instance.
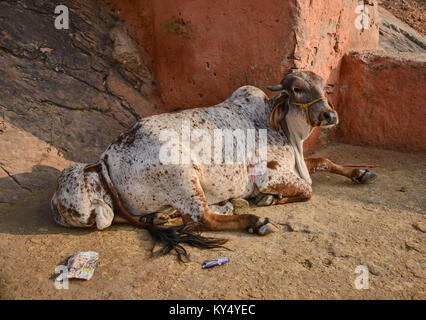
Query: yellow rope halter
point(305, 107)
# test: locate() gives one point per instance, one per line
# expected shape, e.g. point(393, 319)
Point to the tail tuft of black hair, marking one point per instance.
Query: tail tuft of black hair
point(172, 239)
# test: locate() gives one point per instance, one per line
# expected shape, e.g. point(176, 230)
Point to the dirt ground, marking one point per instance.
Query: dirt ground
point(313, 256)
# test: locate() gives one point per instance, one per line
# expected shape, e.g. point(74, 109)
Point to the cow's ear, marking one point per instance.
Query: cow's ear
point(279, 110)
point(275, 117)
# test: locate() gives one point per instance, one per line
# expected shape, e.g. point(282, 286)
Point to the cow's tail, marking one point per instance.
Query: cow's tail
point(171, 237)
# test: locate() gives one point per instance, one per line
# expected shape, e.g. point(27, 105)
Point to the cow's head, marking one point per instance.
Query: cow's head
point(301, 94)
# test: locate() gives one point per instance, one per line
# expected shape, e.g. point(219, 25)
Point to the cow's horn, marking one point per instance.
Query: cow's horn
point(278, 87)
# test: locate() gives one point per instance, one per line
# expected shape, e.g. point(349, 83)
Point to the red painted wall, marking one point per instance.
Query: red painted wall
point(219, 46)
point(203, 50)
point(382, 101)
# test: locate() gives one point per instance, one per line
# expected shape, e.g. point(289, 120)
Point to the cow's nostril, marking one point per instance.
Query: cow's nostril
point(327, 115)
point(330, 117)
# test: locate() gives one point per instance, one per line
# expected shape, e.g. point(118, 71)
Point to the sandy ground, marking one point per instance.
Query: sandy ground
point(313, 256)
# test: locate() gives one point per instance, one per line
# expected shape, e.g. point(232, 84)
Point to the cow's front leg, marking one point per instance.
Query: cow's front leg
point(193, 206)
point(355, 174)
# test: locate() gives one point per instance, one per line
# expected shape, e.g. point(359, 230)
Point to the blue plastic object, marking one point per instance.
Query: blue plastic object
point(213, 263)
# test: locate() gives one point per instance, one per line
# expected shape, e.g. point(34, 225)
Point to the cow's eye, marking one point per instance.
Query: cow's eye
point(297, 90)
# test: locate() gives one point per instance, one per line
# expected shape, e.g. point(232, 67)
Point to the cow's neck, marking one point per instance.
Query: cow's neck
point(298, 131)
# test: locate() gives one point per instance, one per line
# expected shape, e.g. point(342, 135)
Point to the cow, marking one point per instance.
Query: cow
point(135, 177)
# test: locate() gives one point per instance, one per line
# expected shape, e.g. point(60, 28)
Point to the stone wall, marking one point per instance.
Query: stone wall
point(382, 100)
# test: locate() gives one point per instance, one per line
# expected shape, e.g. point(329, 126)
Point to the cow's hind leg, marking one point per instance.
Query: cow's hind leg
point(355, 174)
point(193, 206)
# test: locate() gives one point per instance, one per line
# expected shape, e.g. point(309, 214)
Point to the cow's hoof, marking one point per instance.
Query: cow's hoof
point(264, 200)
point(263, 227)
point(366, 177)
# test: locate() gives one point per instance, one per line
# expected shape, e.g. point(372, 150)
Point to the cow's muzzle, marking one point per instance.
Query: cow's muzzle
point(329, 118)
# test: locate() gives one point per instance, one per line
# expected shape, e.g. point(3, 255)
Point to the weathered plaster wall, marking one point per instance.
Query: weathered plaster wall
point(203, 50)
point(382, 100)
point(207, 49)
point(324, 32)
